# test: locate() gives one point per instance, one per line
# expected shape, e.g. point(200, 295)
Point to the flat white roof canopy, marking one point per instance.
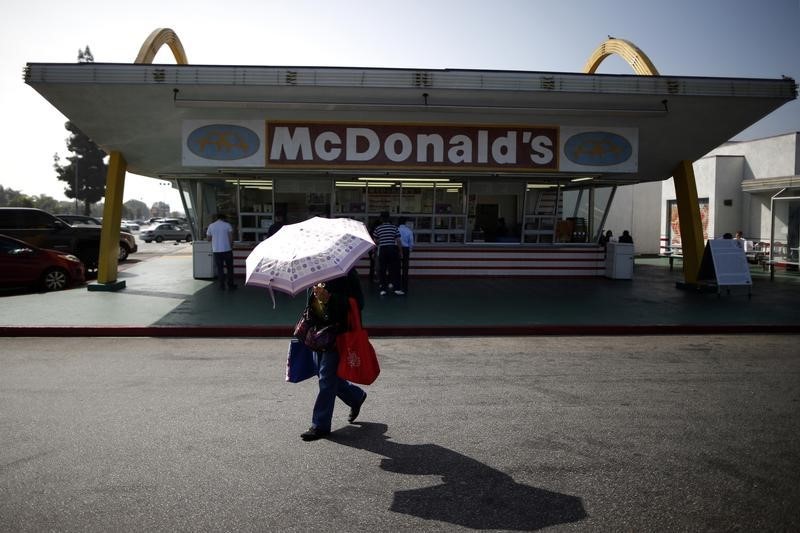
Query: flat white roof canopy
point(139, 110)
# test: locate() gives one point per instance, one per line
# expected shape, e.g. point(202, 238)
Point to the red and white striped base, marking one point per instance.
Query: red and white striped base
point(491, 261)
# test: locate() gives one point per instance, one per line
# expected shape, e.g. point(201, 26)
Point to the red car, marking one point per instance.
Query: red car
point(22, 264)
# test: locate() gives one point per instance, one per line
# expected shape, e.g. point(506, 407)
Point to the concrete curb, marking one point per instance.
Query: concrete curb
point(398, 331)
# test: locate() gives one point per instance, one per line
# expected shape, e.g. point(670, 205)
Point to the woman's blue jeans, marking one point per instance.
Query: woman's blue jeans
point(331, 386)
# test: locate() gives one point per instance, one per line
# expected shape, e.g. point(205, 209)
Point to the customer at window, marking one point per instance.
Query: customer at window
point(387, 237)
point(220, 233)
point(406, 244)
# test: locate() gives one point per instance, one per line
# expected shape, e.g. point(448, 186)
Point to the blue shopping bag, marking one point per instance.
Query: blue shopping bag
point(300, 363)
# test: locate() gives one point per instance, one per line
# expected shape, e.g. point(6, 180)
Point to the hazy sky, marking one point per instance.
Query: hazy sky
point(725, 38)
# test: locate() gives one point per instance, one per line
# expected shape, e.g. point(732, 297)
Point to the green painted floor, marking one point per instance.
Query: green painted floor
point(162, 292)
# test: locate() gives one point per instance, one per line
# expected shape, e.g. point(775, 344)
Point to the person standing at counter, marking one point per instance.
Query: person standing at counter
point(389, 253)
point(275, 226)
point(406, 244)
point(220, 233)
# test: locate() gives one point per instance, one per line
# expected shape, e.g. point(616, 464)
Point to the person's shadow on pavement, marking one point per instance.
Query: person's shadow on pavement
point(472, 494)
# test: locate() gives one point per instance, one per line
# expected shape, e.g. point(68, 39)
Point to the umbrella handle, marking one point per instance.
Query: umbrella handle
point(271, 295)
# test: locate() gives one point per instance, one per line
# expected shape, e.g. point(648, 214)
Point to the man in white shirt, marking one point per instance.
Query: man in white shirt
point(220, 233)
point(406, 243)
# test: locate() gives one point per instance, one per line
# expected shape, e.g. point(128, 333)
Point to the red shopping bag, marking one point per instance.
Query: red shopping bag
point(357, 359)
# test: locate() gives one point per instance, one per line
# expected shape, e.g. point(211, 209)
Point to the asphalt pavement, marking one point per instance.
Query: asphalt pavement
point(612, 433)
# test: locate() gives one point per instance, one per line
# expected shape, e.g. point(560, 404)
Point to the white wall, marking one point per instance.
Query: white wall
point(633, 209)
point(728, 186)
point(771, 157)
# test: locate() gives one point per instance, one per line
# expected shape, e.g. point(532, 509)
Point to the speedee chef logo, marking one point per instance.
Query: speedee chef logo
point(223, 142)
point(597, 148)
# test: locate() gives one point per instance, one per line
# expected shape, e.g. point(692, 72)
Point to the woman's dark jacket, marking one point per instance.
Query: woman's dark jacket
point(340, 289)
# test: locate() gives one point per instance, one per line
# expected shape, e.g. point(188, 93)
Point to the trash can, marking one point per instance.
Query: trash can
point(202, 260)
point(619, 260)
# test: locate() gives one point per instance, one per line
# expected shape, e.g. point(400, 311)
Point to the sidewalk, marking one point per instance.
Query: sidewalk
point(162, 299)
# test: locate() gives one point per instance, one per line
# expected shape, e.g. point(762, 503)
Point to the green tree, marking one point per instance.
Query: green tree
point(159, 209)
point(85, 175)
point(11, 198)
point(135, 209)
point(47, 203)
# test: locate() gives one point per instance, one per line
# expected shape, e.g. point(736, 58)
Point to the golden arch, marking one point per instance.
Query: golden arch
point(117, 166)
point(156, 40)
point(628, 51)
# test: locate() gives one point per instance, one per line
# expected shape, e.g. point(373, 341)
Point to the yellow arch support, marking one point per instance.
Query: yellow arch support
point(683, 175)
point(628, 51)
point(155, 41)
point(115, 178)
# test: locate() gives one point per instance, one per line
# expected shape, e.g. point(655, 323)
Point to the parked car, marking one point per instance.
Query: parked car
point(44, 230)
point(92, 221)
point(165, 232)
point(80, 219)
point(130, 225)
point(163, 220)
point(23, 265)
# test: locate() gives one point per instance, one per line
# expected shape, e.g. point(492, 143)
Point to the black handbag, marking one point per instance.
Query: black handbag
point(316, 336)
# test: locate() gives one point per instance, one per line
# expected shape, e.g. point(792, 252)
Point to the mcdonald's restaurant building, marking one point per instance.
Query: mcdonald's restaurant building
point(498, 172)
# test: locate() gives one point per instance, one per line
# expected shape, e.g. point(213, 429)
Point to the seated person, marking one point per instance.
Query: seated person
point(626, 237)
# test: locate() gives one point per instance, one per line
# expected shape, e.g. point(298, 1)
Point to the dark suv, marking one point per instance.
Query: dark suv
point(44, 230)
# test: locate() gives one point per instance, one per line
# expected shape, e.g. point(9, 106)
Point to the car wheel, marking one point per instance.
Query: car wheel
point(159, 238)
point(89, 257)
point(123, 252)
point(148, 241)
point(55, 279)
point(188, 238)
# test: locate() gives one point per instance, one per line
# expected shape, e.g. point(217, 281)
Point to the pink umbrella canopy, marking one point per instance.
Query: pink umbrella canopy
point(303, 254)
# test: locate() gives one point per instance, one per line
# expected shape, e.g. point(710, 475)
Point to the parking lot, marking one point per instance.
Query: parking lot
point(159, 248)
point(643, 433)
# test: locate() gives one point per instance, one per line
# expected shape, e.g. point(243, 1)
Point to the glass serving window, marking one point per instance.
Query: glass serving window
point(602, 202)
point(573, 227)
point(542, 210)
point(449, 199)
point(417, 199)
point(255, 197)
point(350, 198)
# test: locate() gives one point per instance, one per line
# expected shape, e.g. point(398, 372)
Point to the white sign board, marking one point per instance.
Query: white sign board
point(730, 262)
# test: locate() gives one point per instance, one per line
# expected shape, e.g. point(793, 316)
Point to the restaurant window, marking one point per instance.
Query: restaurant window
point(573, 225)
point(298, 199)
point(542, 210)
point(255, 209)
point(433, 207)
point(350, 200)
point(212, 196)
point(417, 203)
point(449, 220)
point(495, 211)
point(603, 196)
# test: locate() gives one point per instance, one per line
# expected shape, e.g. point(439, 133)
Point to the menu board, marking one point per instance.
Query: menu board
point(725, 261)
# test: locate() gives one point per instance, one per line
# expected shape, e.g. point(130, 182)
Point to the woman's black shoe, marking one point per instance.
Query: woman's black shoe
point(356, 409)
point(314, 434)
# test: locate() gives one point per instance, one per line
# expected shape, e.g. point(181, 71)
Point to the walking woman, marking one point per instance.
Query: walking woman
point(329, 302)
